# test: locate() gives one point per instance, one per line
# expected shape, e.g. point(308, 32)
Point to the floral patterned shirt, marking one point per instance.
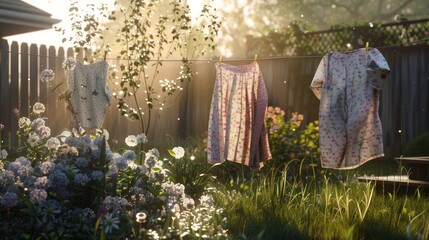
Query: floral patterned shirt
point(236, 125)
point(90, 94)
point(348, 86)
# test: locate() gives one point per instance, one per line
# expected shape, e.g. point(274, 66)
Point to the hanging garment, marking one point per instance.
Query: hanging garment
point(90, 94)
point(237, 130)
point(348, 86)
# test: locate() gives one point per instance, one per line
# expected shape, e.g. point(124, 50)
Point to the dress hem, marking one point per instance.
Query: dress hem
point(357, 165)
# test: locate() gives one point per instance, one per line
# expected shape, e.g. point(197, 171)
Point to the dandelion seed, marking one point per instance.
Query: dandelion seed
point(47, 75)
point(69, 64)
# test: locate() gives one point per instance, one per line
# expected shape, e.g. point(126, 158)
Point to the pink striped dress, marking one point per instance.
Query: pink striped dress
point(237, 130)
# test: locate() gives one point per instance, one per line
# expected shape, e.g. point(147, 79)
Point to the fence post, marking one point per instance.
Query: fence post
point(4, 91)
point(24, 81)
point(34, 72)
point(43, 55)
point(14, 90)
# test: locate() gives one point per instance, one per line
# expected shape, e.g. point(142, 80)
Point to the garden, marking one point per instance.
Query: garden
point(80, 183)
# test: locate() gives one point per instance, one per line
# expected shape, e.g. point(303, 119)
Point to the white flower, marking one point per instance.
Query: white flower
point(141, 217)
point(47, 75)
point(179, 152)
point(150, 160)
point(154, 152)
point(38, 108)
point(53, 143)
point(44, 132)
point(188, 202)
point(141, 138)
point(69, 63)
point(103, 132)
point(132, 165)
point(33, 139)
point(206, 200)
point(64, 135)
point(3, 154)
point(131, 141)
point(37, 124)
point(23, 122)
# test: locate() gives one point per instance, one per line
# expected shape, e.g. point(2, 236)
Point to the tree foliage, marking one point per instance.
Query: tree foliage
point(146, 33)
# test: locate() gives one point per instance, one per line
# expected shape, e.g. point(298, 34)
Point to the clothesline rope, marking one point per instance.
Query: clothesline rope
point(216, 59)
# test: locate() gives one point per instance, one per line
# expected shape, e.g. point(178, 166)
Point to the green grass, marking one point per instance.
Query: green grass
point(278, 206)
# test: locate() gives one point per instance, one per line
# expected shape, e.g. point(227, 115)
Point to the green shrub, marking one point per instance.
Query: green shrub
point(419, 146)
point(290, 140)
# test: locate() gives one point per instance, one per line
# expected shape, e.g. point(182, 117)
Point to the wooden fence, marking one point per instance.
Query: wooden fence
point(20, 87)
point(403, 108)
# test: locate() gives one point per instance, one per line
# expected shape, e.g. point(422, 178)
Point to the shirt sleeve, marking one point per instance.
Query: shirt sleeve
point(319, 77)
point(105, 69)
point(377, 69)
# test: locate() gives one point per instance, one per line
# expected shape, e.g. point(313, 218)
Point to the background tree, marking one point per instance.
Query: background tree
point(142, 35)
point(260, 17)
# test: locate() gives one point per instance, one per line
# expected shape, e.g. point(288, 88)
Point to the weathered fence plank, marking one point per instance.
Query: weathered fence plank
point(34, 74)
point(43, 58)
point(25, 81)
point(4, 91)
point(14, 92)
point(52, 99)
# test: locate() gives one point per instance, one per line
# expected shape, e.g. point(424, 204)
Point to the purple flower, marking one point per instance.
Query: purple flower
point(8, 199)
point(129, 155)
point(97, 175)
point(81, 179)
point(41, 182)
point(21, 167)
point(38, 195)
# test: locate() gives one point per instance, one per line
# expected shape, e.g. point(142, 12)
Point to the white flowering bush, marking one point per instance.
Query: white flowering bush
point(74, 186)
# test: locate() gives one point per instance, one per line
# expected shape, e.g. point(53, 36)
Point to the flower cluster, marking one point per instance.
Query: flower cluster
point(289, 139)
point(69, 64)
point(178, 152)
point(133, 140)
point(74, 183)
point(47, 75)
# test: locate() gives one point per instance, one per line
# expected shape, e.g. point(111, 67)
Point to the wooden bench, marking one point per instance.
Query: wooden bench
point(417, 178)
point(419, 167)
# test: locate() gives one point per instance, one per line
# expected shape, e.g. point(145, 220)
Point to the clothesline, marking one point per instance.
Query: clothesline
point(216, 59)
